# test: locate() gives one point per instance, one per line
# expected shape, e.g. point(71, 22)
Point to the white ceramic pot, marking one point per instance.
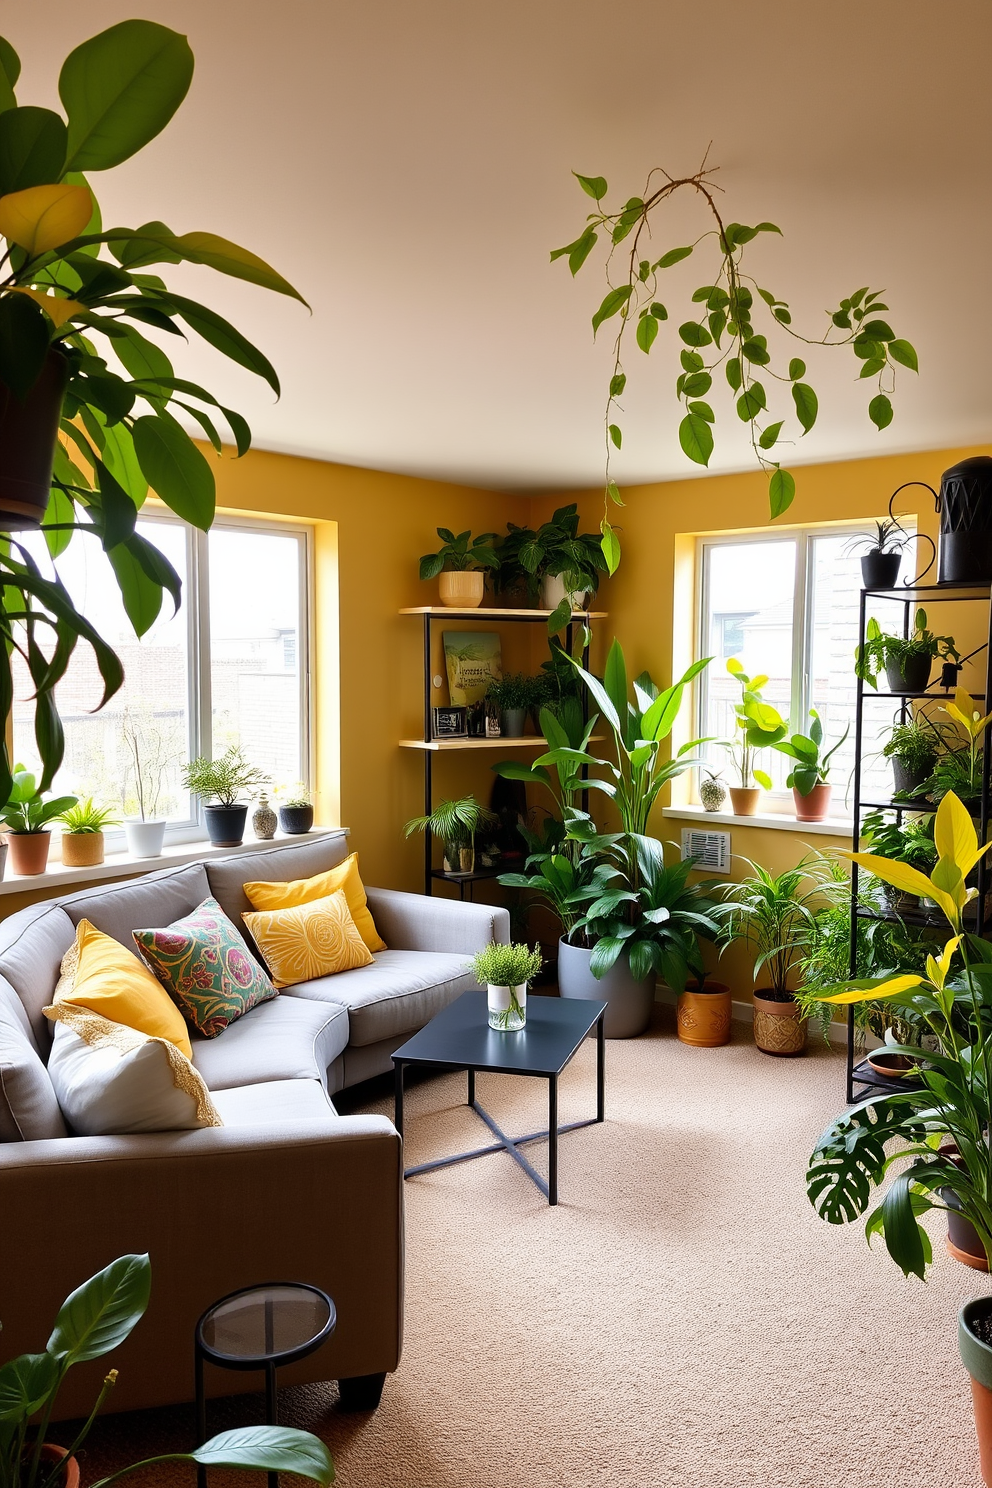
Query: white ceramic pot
point(553, 591)
point(145, 838)
point(507, 1007)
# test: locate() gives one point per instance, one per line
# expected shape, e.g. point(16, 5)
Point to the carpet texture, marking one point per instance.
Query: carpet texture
point(681, 1320)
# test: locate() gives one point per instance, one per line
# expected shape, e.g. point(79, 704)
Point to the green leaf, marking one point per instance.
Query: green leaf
point(141, 596)
point(25, 1385)
point(100, 1314)
point(616, 435)
point(647, 330)
point(797, 369)
point(697, 384)
point(220, 334)
point(717, 322)
point(781, 492)
point(156, 566)
point(613, 493)
point(617, 384)
point(841, 319)
point(117, 513)
point(175, 469)
point(880, 411)
point(878, 330)
point(734, 373)
point(23, 343)
point(122, 462)
point(32, 148)
point(229, 258)
point(673, 256)
point(611, 546)
point(658, 310)
point(594, 186)
point(144, 245)
point(872, 367)
point(613, 302)
point(694, 334)
point(806, 404)
point(59, 510)
point(905, 354)
point(696, 438)
point(867, 349)
point(770, 435)
point(270, 1448)
point(756, 351)
point(691, 361)
point(615, 679)
point(559, 617)
point(751, 402)
point(120, 89)
point(903, 1238)
point(141, 357)
point(10, 71)
point(703, 411)
point(580, 250)
point(782, 315)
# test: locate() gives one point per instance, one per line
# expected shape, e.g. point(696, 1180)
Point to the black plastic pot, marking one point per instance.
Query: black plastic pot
point(226, 824)
point(906, 779)
point(880, 570)
point(28, 431)
point(295, 820)
point(962, 1233)
point(965, 504)
point(910, 675)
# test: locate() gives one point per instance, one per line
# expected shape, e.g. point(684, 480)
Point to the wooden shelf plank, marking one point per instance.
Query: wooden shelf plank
point(442, 744)
point(498, 614)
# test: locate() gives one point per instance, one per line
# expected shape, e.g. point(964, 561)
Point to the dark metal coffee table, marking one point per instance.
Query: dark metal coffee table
point(460, 1038)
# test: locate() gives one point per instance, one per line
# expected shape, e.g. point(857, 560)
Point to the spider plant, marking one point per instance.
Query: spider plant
point(775, 915)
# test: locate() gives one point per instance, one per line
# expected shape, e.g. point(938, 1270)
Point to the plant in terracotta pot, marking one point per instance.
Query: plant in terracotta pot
point(907, 661)
point(295, 811)
point(455, 823)
point(757, 725)
point(505, 970)
point(82, 833)
point(226, 779)
point(913, 748)
point(809, 775)
point(460, 566)
point(703, 1012)
point(94, 1319)
point(26, 818)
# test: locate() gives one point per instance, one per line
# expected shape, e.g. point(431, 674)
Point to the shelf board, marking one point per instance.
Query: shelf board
point(863, 1074)
point(497, 613)
point(529, 740)
point(473, 877)
point(933, 697)
point(934, 591)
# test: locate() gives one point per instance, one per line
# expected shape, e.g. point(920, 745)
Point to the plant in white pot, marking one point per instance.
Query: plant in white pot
point(148, 756)
point(459, 566)
point(226, 779)
point(505, 970)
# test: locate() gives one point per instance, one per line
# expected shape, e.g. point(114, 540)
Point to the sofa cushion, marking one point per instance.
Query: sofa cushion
point(276, 895)
point(303, 859)
point(310, 940)
point(154, 899)
point(275, 1100)
point(399, 994)
point(285, 1039)
point(100, 974)
point(29, 1111)
point(202, 961)
point(32, 944)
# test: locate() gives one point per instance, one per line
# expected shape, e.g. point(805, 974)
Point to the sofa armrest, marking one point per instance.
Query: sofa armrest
point(226, 1207)
point(414, 922)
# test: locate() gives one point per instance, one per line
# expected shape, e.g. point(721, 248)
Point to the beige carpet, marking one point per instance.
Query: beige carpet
point(682, 1320)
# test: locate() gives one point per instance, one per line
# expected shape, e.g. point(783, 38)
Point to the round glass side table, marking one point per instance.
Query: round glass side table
point(260, 1327)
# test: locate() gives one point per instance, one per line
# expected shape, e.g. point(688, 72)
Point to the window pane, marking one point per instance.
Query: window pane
point(255, 648)
point(750, 589)
point(153, 700)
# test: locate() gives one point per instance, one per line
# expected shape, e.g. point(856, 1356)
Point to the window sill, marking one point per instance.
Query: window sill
point(838, 827)
point(122, 865)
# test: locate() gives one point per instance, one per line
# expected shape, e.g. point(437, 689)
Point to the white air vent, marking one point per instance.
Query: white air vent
point(710, 849)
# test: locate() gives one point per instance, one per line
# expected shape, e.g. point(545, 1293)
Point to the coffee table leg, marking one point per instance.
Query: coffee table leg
point(553, 1139)
point(471, 1087)
point(398, 1096)
point(271, 1410)
point(601, 1068)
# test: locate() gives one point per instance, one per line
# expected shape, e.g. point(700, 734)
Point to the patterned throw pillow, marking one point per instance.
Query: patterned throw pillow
point(309, 940)
point(306, 890)
point(204, 964)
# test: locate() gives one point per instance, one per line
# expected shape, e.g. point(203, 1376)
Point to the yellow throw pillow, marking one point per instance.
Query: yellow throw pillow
point(308, 940)
point(102, 976)
point(305, 890)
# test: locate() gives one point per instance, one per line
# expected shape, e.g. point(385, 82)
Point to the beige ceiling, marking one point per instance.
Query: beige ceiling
point(406, 164)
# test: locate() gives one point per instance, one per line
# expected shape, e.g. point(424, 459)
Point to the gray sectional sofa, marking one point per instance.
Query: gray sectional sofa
point(286, 1189)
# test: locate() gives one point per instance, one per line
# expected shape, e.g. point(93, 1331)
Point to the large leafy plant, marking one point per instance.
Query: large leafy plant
point(722, 333)
point(94, 1319)
point(79, 298)
point(880, 648)
point(812, 761)
point(27, 810)
point(226, 778)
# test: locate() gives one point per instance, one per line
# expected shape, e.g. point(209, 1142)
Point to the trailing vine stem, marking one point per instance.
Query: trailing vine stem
point(728, 306)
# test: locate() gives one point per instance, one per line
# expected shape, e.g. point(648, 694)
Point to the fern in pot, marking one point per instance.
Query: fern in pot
point(505, 971)
point(225, 779)
point(913, 748)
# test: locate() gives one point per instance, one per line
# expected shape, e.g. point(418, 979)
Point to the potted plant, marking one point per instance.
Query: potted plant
point(505, 970)
point(712, 790)
point(97, 1317)
point(808, 777)
point(774, 915)
point(82, 833)
point(703, 1012)
point(908, 842)
point(296, 811)
point(149, 755)
point(514, 696)
point(461, 563)
point(26, 817)
point(912, 747)
point(931, 1139)
point(224, 778)
point(881, 554)
point(455, 823)
point(757, 725)
point(906, 660)
point(557, 566)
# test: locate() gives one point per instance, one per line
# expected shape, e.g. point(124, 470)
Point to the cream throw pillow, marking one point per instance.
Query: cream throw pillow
point(309, 940)
point(110, 1079)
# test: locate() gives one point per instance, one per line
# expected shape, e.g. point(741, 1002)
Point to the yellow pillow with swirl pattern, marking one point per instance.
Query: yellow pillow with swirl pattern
point(308, 940)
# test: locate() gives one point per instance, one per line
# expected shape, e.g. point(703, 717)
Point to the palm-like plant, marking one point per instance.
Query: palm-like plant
point(775, 914)
point(455, 822)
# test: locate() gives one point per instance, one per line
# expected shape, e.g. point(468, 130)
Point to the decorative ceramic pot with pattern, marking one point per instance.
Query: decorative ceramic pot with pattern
point(779, 1024)
point(703, 1015)
point(264, 820)
point(712, 792)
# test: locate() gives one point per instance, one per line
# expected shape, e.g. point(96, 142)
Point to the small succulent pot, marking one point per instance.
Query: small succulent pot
point(28, 852)
point(295, 821)
point(703, 1015)
point(512, 722)
point(264, 820)
point(911, 674)
point(225, 824)
point(712, 793)
point(744, 799)
point(779, 1024)
point(462, 590)
point(82, 849)
point(814, 807)
point(880, 570)
point(975, 1345)
point(507, 1007)
point(144, 838)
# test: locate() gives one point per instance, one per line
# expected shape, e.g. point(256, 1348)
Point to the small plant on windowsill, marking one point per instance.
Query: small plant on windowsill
point(149, 755)
point(295, 810)
point(226, 778)
point(82, 833)
point(757, 726)
point(27, 817)
point(808, 777)
point(505, 971)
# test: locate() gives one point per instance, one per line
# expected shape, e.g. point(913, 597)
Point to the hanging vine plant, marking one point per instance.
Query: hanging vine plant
point(723, 334)
point(88, 403)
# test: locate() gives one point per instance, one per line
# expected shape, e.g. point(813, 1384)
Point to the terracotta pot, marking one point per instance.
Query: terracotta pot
point(814, 807)
point(462, 591)
point(703, 1018)
point(28, 431)
point(51, 1453)
point(82, 849)
point(895, 1066)
point(28, 851)
point(779, 1027)
point(963, 1242)
point(976, 1355)
point(744, 802)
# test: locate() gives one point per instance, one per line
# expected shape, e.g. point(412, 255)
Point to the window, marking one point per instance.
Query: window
point(787, 608)
point(230, 668)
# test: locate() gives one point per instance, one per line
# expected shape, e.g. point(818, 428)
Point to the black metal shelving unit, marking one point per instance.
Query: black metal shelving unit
point(861, 1078)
